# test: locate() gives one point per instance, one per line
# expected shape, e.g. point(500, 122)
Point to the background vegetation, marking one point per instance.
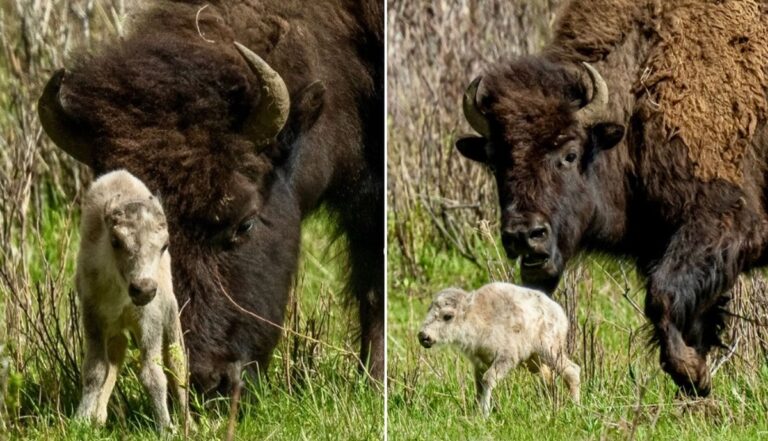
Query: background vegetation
point(314, 390)
point(442, 230)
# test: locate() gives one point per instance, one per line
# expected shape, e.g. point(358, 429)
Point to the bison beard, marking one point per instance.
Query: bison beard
point(685, 203)
point(240, 150)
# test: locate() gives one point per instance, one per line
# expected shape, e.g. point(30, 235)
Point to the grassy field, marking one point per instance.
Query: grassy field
point(624, 393)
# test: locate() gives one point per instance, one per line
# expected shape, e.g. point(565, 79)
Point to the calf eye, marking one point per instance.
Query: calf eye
point(448, 317)
point(116, 244)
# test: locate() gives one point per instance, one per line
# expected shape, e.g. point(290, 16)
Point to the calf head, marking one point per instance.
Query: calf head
point(138, 238)
point(443, 317)
point(541, 126)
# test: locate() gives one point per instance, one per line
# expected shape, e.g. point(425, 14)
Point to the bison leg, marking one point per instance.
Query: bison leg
point(366, 247)
point(372, 335)
point(684, 298)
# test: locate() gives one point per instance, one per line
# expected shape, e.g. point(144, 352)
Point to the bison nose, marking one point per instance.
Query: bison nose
point(425, 340)
point(530, 235)
point(142, 291)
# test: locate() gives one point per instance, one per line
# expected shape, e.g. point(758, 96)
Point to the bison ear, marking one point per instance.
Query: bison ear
point(308, 106)
point(606, 135)
point(473, 147)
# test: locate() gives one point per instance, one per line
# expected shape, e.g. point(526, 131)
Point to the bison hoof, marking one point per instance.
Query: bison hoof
point(689, 371)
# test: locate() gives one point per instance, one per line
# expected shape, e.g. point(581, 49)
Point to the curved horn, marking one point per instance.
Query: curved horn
point(269, 115)
point(594, 111)
point(59, 126)
point(476, 119)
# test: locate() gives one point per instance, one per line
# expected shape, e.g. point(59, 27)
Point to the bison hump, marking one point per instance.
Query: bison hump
point(706, 80)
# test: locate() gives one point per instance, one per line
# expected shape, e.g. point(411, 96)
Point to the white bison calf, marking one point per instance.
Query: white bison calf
point(499, 326)
point(124, 285)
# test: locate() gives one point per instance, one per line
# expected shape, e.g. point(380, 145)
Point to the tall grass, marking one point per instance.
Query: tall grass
point(442, 229)
point(313, 389)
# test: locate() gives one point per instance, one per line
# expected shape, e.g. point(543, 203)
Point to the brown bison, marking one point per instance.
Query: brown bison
point(244, 116)
point(655, 150)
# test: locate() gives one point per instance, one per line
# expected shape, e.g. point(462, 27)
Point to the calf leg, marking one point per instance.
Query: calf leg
point(175, 361)
point(536, 366)
point(571, 373)
point(94, 374)
point(479, 384)
point(498, 370)
point(115, 353)
point(153, 378)
point(684, 299)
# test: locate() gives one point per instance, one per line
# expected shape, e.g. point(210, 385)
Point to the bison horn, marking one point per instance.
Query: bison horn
point(472, 113)
point(594, 111)
point(57, 123)
point(269, 115)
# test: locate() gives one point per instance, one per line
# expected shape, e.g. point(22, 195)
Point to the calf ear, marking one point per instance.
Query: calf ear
point(606, 135)
point(473, 147)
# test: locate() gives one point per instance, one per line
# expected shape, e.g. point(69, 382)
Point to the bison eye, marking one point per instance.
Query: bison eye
point(448, 317)
point(116, 244)
point(570, 157)
point(246, 226)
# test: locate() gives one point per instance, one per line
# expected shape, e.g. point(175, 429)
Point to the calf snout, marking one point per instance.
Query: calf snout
point(426, 340)
point(142, 291)
point(531, 234)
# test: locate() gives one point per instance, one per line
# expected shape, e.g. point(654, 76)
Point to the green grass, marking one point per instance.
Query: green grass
point(624, 393)
point(317, 394)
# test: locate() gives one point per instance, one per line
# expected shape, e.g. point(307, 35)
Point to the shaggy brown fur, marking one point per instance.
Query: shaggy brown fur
point(710, 85)
point(682, 193)
point(169, 103)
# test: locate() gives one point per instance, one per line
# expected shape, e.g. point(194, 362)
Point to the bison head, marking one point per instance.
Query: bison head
point(210, 128)
point(542, 125)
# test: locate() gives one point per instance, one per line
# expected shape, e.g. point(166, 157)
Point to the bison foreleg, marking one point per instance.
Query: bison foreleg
point(366, 255)
point(684, 298)
point(372, 335)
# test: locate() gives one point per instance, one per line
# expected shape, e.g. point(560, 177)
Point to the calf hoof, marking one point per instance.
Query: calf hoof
point(688, 370)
